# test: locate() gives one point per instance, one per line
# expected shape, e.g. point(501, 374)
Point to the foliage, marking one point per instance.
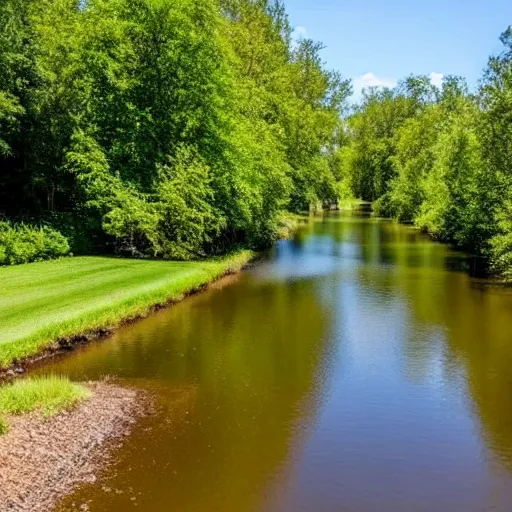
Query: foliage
point(438, 157)
point(22, 243)
point(456, 207)
point(501, 243)
point(160, 128)
point(186, 217)
point(496, 139)
point(414, 147)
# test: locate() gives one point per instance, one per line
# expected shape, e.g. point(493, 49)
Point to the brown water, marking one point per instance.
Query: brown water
point(357, 368)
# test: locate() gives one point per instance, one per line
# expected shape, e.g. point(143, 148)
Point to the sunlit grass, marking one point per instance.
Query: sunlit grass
point(42, 302)
point(48, 395)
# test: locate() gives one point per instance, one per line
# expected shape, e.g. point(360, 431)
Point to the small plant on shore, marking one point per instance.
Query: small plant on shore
point(3, 427)
point(47, 394)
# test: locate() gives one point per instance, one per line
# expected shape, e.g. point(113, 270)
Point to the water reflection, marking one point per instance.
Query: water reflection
point(358, 367)
point(243, 364)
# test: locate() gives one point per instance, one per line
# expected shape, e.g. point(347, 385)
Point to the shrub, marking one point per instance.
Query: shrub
point(175, 221)
point(382, 206)
point(501, 243)
point(22, 243)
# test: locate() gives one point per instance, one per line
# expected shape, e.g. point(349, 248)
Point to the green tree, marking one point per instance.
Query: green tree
point(456, 206)
point(496, 136)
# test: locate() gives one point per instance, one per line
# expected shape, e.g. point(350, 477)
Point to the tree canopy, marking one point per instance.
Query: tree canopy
point(439, 157)
point(182, 128)
point(163, 128)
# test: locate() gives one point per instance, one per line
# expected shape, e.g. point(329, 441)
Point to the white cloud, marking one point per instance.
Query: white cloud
point(300, 31)
point(436, 78)
point(371, 80)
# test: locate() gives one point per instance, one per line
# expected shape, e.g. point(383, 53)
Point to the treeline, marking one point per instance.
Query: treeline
point(182, 128)
point(440, 158)
point(162, 128)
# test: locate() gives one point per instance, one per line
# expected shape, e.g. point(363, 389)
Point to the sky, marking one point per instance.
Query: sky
point(377, 42)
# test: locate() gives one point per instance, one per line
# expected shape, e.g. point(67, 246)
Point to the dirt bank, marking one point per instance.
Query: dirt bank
point(43, 459)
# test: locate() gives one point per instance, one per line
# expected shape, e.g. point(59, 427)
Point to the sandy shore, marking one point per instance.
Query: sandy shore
point(43, 459)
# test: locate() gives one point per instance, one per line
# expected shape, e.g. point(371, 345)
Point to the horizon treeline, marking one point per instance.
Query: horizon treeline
point(163, 128)
point(439, 157)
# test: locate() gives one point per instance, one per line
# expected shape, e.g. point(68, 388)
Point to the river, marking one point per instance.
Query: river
point(358, 367)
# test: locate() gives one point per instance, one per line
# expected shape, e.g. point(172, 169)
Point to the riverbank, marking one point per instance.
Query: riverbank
point(50, 306)
point(43, 458)
point(289, 223)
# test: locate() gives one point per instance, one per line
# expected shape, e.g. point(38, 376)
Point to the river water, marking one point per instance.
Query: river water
point(358, 367)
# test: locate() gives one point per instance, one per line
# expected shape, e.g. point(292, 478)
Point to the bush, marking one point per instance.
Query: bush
point(382, 206)
point(82, 229)
point(175, 221)
point(501, 243)
point(22, 243)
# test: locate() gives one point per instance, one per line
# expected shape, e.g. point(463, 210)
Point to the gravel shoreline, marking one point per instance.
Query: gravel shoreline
point(43, 459)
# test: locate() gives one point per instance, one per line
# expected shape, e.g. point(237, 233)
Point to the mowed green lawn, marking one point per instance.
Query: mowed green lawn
point(41, 302)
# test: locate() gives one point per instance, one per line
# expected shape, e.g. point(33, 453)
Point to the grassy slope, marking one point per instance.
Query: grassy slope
point(41, 302)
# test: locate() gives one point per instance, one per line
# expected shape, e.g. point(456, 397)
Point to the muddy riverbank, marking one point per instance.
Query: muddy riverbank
point(44, 459)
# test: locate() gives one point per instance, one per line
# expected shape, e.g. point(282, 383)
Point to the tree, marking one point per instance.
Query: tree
point(496, 136)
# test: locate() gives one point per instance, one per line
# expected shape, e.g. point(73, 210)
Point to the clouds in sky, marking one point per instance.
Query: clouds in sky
point(436, 78)
point(372, 80)
point(299, 32)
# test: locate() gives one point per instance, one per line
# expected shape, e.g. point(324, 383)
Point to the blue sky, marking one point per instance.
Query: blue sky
point(376, 42)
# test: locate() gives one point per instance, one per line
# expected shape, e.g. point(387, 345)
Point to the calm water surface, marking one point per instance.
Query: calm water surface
point(358, 367)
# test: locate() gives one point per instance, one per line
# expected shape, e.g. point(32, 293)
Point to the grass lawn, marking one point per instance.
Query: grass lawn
point(41, 302)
